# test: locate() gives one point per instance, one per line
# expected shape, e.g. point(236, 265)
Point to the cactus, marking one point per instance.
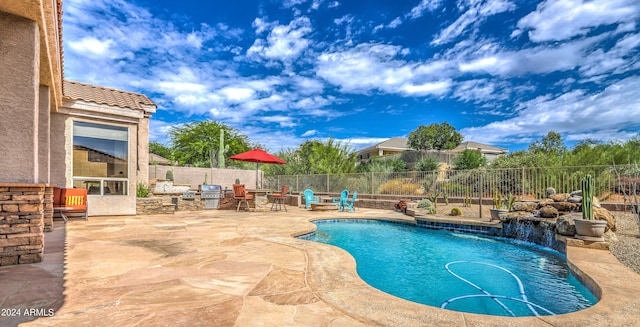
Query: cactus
point(587, 197)
point(237, 180)
point(222, 149)
point(433, 197)
point(169, 175)
point(456, 212)
point(467, 198)
point(497, 200)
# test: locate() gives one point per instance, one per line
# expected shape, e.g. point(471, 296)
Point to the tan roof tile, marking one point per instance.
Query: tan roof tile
point(103, 95)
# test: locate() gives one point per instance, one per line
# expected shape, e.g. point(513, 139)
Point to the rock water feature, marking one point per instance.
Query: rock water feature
point(528, 228)
point(539, 221)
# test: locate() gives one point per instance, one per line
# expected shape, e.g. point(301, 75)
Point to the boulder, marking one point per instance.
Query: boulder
point(604, 214)
point(575, 199)
point(550, 191)
point(566, 206)
point(559, 197)
point(565, 225)
point(544, 202)
point(525, 206)
point(548, 212)
point(516, 215)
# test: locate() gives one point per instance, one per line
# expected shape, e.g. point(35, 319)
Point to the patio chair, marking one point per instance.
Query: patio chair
point(349, 204)
point(277, 199)
point(240, 193)
point(343, 198)
point(70, 200)
point(309, 198)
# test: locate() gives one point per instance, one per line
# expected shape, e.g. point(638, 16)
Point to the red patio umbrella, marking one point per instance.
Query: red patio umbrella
point(258, 156)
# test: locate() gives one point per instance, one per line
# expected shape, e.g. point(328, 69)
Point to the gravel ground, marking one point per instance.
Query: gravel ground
point(627, 246)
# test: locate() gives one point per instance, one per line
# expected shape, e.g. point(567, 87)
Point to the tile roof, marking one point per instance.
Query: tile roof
point(154, 158)
point(475, 145)
point(103, 95)
point(397, 143)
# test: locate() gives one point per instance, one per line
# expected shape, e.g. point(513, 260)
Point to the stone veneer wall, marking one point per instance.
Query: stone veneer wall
point(166, 203)
point(22, 214)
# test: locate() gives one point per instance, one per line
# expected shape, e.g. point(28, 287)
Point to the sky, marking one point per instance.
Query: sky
point(502, 72)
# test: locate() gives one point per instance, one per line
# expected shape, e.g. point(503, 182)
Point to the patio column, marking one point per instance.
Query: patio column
point(19, 99)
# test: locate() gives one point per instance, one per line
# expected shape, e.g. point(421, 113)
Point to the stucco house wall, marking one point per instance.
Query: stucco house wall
point(92, 104)
point(36, 128)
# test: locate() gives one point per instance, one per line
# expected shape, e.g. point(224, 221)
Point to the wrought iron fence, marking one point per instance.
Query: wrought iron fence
point(523, 183)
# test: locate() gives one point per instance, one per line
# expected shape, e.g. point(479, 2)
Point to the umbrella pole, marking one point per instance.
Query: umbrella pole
point(257, 163)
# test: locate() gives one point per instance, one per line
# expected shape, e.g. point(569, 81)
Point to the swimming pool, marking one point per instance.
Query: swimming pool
point(458, 271)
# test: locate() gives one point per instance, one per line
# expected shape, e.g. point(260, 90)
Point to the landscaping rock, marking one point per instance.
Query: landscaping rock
point(560, 197)
point(566, 206)
point(516, 215)
point(548, 212)
point(604, 214)
point(565, 225)
point(544, 202)
point(575, 199)
point(525, 206)
point(550, 191)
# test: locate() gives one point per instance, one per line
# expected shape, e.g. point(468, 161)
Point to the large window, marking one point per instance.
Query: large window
point(100, 158)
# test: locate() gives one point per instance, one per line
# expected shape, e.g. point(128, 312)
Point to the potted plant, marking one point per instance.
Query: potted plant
point(587, 228)
point(499, 206)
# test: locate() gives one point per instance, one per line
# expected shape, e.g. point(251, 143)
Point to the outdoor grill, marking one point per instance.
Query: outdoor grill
point(211, 195)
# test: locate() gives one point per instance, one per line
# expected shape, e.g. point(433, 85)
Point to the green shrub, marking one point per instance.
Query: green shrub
point(425, 203)
point(427, 164)
point(142, 190)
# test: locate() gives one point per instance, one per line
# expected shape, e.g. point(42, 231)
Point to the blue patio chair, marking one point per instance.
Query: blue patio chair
point(343, 198)
point(348, 204)
point(309, 198)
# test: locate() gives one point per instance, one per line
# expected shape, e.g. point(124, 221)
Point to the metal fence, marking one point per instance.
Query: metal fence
point(523, 183)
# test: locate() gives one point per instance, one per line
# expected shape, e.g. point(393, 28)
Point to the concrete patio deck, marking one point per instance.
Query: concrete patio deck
point(223, 268)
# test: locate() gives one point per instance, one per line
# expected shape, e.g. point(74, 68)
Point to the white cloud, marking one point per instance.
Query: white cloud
point(477, 13)
point(93, 46)
point(424, 6)
point(236, 94)
point(611, 114)
point(369, 67)
point(435, 88)
point(283, 121)
point(309, 133)
point(556, 20)
point(284, 43)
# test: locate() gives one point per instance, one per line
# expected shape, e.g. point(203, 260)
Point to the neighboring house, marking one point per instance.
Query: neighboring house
point(59, 133)
point(155, 159)
point(397, 148)
point(390, 146)
point(489, 151)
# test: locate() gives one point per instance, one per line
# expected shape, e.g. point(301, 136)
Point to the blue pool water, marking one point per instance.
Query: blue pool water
point(458, 271)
